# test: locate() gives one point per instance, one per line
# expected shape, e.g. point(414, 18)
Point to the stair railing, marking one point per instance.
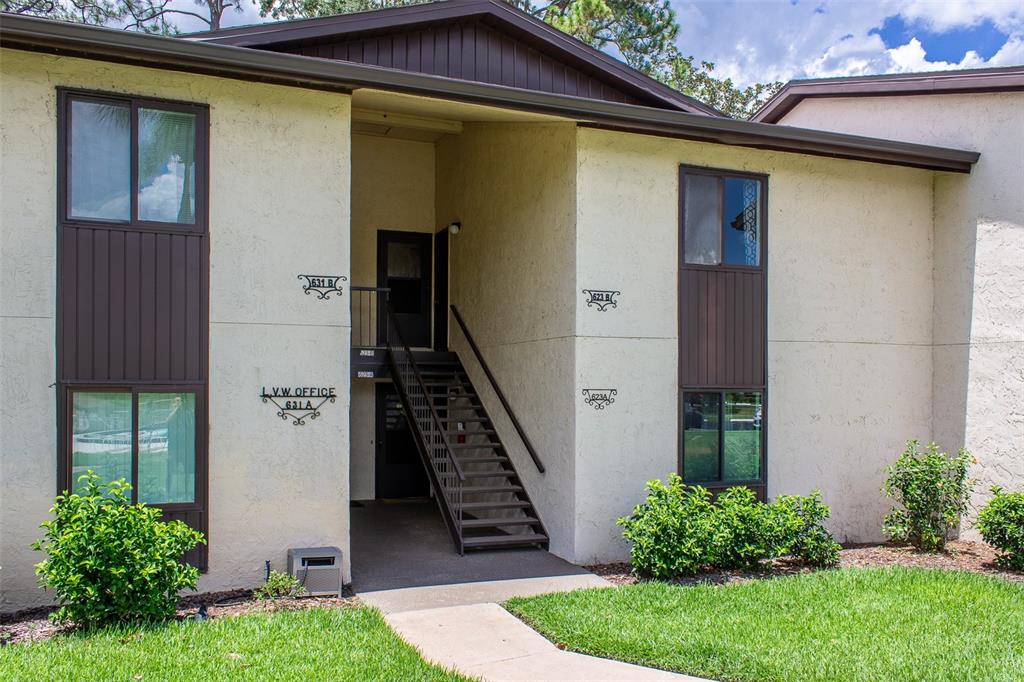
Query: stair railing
point(443, 469)
point(367, 312)
point(497, 390)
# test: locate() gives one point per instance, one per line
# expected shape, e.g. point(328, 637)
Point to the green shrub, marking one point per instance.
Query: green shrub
point(745, 530)
point(671, 531)
point(678, 530)
point(932, 488)
point(110, 560)
point(280, 586)
point(801, 522)
point(1001, 523)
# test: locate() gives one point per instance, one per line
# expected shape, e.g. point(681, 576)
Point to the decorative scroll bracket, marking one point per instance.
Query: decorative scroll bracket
point(601, 298)
point(323, 285)
point(599, 398)
point(298, 404)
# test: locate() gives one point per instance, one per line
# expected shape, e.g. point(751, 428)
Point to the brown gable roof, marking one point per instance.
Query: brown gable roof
point(486, 41)
point(1003, 79)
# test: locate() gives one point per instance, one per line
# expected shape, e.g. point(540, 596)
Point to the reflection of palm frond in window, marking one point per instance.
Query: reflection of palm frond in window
point(164, 136)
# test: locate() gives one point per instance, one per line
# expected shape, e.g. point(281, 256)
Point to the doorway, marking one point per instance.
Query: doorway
point(404, 266)
point(399, 471)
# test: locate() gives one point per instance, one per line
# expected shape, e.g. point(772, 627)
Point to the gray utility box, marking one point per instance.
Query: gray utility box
point(318, 569)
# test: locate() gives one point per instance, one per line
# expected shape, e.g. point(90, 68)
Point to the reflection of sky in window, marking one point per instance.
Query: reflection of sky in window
point(100, 158)
point(166, 164)
point(739, 250)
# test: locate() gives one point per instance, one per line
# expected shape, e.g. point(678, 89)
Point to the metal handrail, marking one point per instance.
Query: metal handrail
point(419, 380)
point(367, 312)
point(497, 390)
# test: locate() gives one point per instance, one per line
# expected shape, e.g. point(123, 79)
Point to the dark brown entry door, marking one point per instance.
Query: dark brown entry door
point(399, 472)
point(403, 266)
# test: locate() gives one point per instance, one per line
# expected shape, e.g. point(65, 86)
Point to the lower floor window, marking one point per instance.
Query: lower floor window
point(146, 437)
point(722, 436)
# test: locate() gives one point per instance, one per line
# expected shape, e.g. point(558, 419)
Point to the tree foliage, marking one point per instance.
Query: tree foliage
point(146, 16)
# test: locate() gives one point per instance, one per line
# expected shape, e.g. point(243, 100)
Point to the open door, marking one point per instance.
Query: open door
point(404, 267)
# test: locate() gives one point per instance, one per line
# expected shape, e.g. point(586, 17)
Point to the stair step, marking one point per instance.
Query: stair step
point(490, 523)
point(476, 446)
point(473, 489)
point(481, 460)
point(453, 420)
point(490, 474)
point(480, 506)
point(504, 540)
point(481, 432)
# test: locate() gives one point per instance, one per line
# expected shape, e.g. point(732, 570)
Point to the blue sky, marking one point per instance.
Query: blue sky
point(765, 40)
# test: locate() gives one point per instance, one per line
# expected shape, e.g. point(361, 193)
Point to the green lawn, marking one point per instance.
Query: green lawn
point(851, 624)
point(312, 644)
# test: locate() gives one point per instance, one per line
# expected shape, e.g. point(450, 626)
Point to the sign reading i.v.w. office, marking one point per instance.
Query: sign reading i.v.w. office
point(298, 403)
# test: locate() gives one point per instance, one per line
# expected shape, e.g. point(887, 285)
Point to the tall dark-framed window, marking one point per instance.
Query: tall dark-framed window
point(133, 298)
point(722, 324)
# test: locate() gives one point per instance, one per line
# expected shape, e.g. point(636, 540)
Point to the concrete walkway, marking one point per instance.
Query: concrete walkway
point(487, 642)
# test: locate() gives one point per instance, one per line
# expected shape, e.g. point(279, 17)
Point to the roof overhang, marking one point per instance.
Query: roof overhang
point(1006, 79)
point(90, 42)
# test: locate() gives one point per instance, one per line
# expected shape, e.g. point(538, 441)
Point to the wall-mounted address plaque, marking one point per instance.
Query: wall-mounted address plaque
point(323, 285)
point(298, 403)
point(601, 298)
point(599, 398)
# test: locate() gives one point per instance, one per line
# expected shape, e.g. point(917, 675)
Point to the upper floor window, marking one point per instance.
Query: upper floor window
point(133, 161)
point(721, 219)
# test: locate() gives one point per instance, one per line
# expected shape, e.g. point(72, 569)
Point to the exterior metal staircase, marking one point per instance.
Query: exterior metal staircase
point(479, 492)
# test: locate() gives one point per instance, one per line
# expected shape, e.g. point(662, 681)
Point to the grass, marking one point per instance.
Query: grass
point(851, 624)
point(311, 644)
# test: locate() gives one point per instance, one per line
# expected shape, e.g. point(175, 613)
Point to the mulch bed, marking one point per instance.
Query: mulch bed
point(33, 625)
point(959, 556)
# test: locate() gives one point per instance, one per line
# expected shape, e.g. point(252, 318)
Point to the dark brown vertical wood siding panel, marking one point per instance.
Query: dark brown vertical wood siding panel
point(197, 556)
point(544, 71)
point(118, 267)
point(427, 41)
point(723, 330)
point(68, 280)
point(193, 303)
point(84, 308)
point(178, 368)
point(147, 308)
point(101, 305)
point(455, 51)
point(413, 52)
point(467, 64)
point(163, 306)
point(441, 51)
point(133, 305)
point(400, 51)
point(760, 333)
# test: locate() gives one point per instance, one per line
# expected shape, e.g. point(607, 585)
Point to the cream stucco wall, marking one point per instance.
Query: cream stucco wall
point(279, 206)
point(849, 325)
point(978, 340)
point(512, 186)
point(392, 189)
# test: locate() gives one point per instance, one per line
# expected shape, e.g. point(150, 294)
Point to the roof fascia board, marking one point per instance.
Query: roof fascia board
point(1007, 79)
point(104, 44)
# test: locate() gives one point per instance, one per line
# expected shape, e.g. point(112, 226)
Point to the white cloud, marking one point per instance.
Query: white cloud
point(766, 40)
point(161, 199)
